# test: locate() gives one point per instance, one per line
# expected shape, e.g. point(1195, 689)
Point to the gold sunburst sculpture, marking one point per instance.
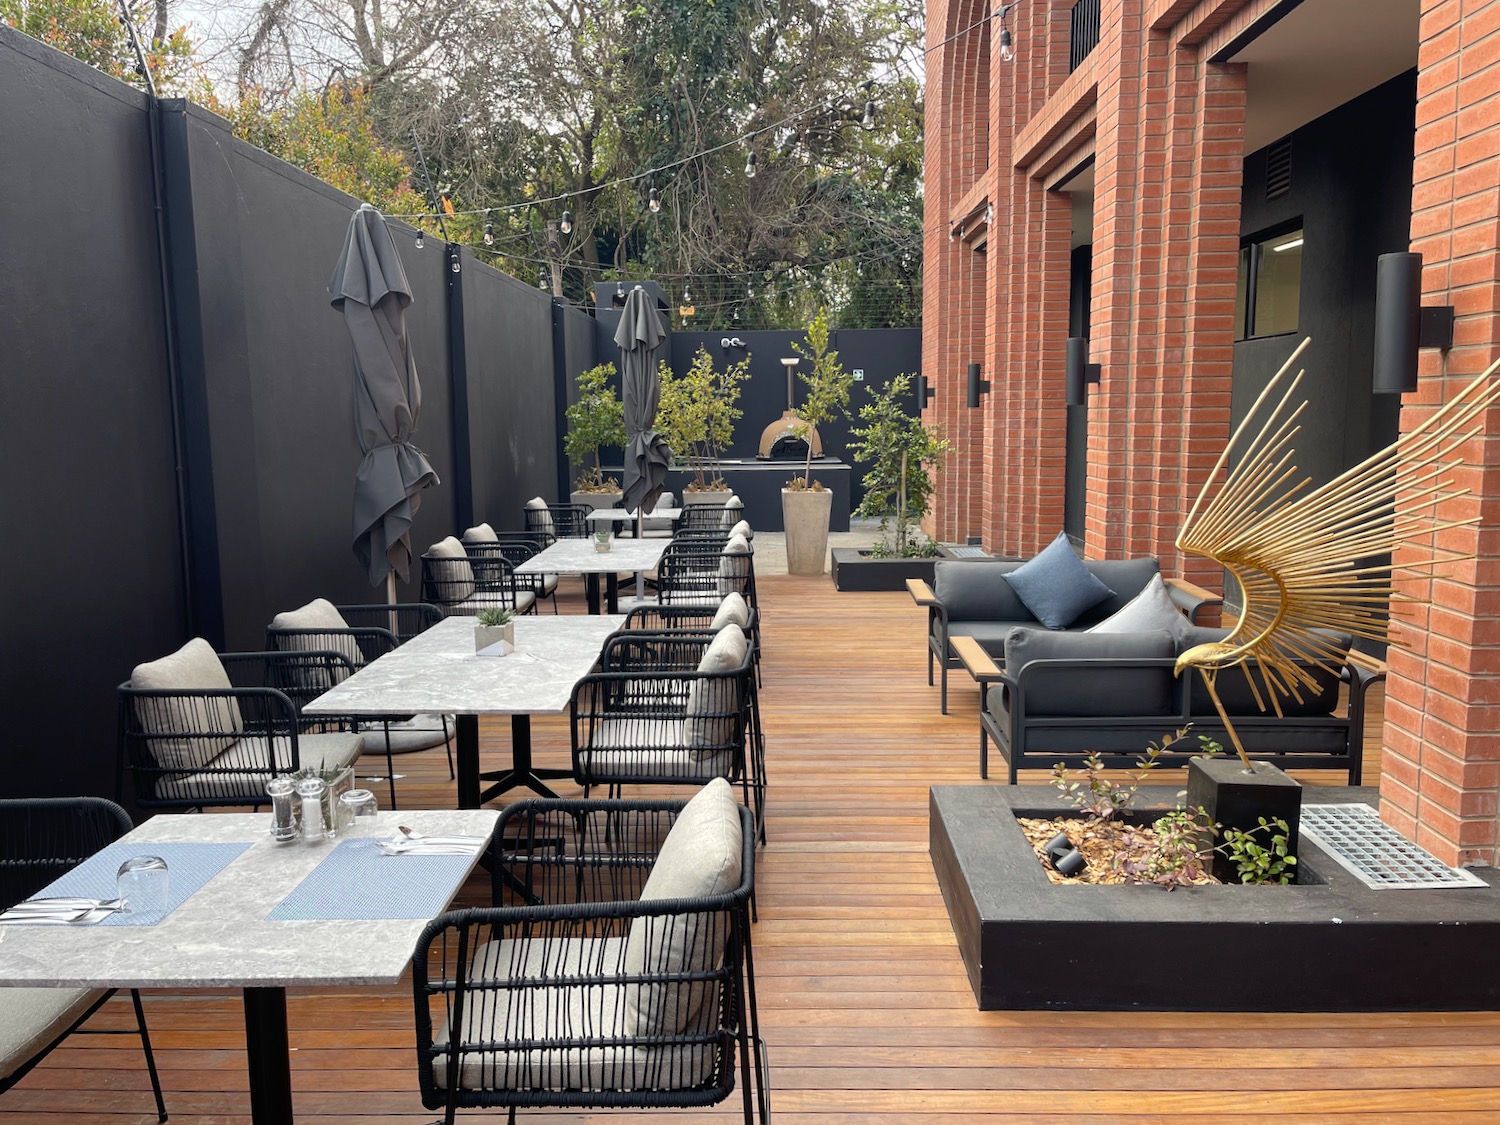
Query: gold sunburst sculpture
point(1302, 555)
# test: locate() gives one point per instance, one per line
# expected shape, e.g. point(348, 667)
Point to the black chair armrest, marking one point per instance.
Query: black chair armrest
point(1192, 599)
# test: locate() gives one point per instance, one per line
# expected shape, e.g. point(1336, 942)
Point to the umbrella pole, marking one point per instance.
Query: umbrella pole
point(640, 533)
point(390, 588)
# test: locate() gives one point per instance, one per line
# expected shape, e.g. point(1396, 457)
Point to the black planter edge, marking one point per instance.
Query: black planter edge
point(1332, 945)
point(855, 572)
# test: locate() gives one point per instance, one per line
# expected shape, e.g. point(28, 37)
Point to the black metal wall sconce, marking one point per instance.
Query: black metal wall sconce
point(977, 386)
point(1080, 371)
point(1403, 324)
point(925, 394)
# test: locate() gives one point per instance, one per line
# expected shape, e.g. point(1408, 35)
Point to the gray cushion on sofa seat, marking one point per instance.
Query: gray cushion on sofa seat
point(1090, 693)
point(976, 591)
point(1237, 695)
point(990, 634)
point(1126, 577)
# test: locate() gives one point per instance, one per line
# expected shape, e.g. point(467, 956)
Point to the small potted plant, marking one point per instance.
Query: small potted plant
point(493, 626)
point(595, 421)
point(602, 539)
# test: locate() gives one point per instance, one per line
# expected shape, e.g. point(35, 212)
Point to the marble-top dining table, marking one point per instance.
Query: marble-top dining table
point(261, 920)
point(578, 556)
point(438, 671)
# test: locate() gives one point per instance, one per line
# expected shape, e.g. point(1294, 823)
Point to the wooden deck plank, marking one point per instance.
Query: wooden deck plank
point(863, 996)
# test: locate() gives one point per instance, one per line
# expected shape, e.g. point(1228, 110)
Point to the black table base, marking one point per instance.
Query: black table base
point(268, 1056)
point(521, 774)
point(611, 591)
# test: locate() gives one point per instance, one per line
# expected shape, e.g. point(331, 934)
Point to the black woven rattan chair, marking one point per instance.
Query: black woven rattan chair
point(481, 578)
point(702, 517)
point(371, 631)
point(650, 717)
point(192, 747)
point(611, 983)
point(515, 547)
point(559, 521)
point(40, 839)
point(701, 572)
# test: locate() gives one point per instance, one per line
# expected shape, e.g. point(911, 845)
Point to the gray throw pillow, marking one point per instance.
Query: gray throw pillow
point(451, 575)
point(319, 614)
point(1055, 586)
point(202, 726)
point(484, 533)
point(544, 521)
point(713, 704)
point(1152, 608)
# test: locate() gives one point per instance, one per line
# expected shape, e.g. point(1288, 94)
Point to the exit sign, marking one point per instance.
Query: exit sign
point(859, 374)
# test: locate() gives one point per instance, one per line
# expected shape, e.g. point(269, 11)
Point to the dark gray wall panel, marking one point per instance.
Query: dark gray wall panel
point(512, 415)
point(1354, 200)
point(94, 572)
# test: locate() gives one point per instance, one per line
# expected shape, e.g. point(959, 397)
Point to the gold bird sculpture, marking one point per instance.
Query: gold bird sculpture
point(1308, 560)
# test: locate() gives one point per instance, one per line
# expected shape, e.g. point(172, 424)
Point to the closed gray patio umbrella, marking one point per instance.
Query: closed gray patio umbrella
point(647, 457)
point(369, 287)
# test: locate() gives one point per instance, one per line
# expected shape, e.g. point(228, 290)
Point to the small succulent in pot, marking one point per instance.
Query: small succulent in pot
point(493, 626)
point(602, 539)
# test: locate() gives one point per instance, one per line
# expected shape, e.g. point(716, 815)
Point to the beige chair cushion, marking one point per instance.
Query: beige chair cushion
point(194, 666)
point(712, 704)
point(319, 613)
point(583, 1009)
point(452, 576)
point(538, 504)
point(701, 856)
point(484, 533)
point(731, 514)
point(246, 764)
point(31, 1018)
point(742, 529)
point(732, 608)
point(734, 571)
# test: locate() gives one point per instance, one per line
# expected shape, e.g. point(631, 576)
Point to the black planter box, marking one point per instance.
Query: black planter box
point(856, 571)
point(1233, 797)
point(1331, 944)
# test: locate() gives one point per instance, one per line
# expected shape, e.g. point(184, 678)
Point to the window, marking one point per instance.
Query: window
point(1269, 287)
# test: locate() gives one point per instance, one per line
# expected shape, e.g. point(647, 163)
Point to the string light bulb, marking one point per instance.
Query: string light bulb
point(1007, 50)
point(868, 121)
point(541, 280)
point(489, 234)
point(566, 226)
point(750, 166)
point(655, 201)
point(419, 238)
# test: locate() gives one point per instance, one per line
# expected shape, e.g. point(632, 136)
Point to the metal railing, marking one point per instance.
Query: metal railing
point(1085, 32)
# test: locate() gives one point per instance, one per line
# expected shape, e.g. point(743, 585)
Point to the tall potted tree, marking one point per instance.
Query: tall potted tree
point(806, 506)
point(696, 419)
point(596, 420)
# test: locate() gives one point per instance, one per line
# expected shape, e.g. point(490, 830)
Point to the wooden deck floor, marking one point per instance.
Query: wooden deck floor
point(863, 997)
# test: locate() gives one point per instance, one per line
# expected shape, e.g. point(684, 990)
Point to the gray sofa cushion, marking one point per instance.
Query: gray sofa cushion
point(977, 591)
point(1076, 693)
point(991, 634)
point(1056, 586)
point(1237, 695)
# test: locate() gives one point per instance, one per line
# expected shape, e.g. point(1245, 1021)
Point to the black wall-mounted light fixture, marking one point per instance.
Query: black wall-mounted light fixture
point(1080, 371)
point(925, 394)
point(1403, 324)
point(977, 386)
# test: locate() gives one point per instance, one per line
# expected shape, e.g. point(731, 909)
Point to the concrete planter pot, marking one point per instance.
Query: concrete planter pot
point(593, 500)
point(805, 516)
point(487, 635)
point(718, 496)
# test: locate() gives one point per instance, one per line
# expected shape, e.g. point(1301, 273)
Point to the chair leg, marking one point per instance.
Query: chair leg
point(390, 763)
point(943, 692)
point(140, 1022)
point(929, 665)
point(448, 746)
point(984, 753)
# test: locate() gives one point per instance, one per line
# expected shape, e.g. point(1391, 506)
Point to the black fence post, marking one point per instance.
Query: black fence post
point(458, 374)
point(560, 398)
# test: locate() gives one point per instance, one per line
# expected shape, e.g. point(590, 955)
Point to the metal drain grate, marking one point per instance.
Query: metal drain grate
point(1376, 853)
point(968, 552)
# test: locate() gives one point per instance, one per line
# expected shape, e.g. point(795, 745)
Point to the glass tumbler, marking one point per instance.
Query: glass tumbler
point(359, 802)
point(142, 882)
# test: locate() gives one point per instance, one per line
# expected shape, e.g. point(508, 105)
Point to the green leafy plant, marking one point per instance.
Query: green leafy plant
point(697, 414)
point(1096, 796)
point(903, 454)
point(1260, 855)
point(1174, 855)
point(827, 384)
point(596, 420)
point(491, 618)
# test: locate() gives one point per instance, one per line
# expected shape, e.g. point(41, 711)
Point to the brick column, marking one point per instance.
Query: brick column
point(1440, 777)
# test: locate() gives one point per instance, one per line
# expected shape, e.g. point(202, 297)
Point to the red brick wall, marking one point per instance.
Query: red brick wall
point(1441, 766)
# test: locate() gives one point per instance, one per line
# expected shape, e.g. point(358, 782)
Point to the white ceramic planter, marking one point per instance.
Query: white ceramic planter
point(593, 500)
point(805, 516)
point(718, 497)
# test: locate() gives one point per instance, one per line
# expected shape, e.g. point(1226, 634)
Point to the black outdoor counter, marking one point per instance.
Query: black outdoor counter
point(759, 484)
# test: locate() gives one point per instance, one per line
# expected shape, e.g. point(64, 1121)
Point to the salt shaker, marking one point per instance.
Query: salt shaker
point(283, 822)
point(311, 790)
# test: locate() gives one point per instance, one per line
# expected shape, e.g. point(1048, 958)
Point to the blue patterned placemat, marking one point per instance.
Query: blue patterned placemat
point(356, 882)
point(189, 866)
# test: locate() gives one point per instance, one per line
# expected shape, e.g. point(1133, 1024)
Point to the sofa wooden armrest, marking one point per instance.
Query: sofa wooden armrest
point(920, 592)
point(1191, 598)
point(976, 661)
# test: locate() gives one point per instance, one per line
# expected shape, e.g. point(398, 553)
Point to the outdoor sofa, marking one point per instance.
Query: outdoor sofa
point(1061, 696)
point(972, 598)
